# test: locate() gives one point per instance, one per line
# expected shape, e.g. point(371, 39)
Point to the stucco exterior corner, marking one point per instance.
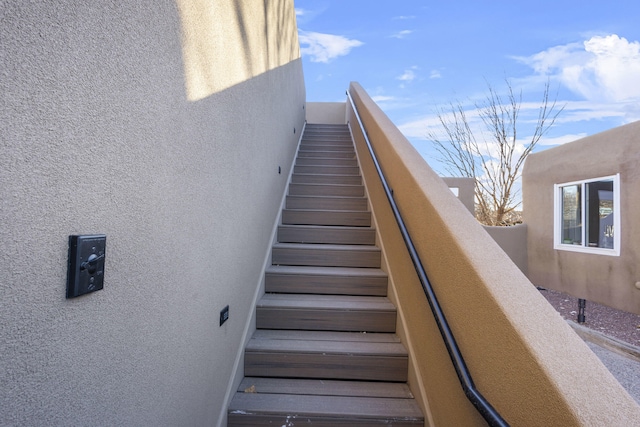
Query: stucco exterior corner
point(606, 279)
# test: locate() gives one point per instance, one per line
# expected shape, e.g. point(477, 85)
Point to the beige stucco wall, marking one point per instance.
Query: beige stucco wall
point(512, 240)
point(522, 355)
point(465, 187)
point(609, 280)
point(327, 112)
point(100, 133)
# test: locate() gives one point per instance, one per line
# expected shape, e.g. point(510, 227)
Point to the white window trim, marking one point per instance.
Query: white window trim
point(557, 218)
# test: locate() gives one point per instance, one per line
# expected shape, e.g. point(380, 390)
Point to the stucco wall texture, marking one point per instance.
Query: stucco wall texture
point(609, 280)
point(99, 134)
point(523, 356)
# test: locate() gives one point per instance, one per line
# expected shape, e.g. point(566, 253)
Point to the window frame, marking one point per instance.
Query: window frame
point(557, 217)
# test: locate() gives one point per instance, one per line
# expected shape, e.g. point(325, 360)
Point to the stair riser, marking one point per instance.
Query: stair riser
point(326, 285)
point(327, 154)
point(319, 161)
point(255, 420)
point(335, 236)
point(327, 134)
point(328, 366)
point(328, 148)
point(326, 179)
point(327, 203)
point(326, 257)
point(326, 127)
point(326, 140)
point(327, 170)
point(344, 218)
point(325, 320)
point(326, 190)
point(341, 130)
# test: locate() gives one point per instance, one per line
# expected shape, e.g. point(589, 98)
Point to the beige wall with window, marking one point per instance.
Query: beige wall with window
point(578, 243)
point(162, 125)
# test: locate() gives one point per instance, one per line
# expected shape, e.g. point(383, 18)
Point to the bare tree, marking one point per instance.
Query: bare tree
point(495, 158)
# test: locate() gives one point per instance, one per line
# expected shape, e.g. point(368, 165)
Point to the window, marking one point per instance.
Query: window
point(587, 216)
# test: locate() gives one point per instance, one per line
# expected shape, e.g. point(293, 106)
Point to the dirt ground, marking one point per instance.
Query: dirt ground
point(618, 324)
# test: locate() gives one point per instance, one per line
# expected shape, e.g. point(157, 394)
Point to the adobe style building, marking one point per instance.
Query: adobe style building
point(582, 211)
point(171, 128)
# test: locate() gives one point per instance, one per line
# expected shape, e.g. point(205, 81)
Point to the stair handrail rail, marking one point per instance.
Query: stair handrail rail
point(482, 405)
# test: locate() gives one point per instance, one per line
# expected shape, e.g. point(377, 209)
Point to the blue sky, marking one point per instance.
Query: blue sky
point(414, 56)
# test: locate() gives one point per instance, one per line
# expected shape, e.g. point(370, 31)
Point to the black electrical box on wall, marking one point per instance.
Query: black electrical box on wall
point(85, 270)
point(224, 315)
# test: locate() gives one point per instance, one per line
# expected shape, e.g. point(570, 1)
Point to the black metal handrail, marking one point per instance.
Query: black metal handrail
point(485, 409)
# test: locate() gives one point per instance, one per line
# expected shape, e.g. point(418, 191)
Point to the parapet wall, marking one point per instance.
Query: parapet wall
point(522, 355)
point(331, 113)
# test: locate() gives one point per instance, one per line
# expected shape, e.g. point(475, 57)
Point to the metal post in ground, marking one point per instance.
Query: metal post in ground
point(582, 303)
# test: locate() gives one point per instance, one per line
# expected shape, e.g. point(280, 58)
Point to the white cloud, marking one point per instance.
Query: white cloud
point(421, 127)
point(603, 68)
point(435, 74)
point(402, 34)
point(418, 128)
point(382, 98)
point(409, 75)
point(299, 12)
point(325, 47)
point(559, 140)
point(403, 17)
point(576, 111)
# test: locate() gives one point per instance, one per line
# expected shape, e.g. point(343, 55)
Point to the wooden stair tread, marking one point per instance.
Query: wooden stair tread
point(350, 348)
point(319, 338)
point(326, 280)
point(305, 178)
point(326, 271)
point(331, 134)
point(327, 154)
point(311, 197)
point(331, 235)
point(354, 190)
point(322, 161)
point(326, 302)
point(336, 201)
point(340, 136)
point(331, 185)
point(325, 336)
point(311, 312)
point(327, 136)
point(326, 255)
point(356, 218)
point(325, 387)
point(327, 170)
point(345, 358)
point(347, 248)
point(326, 234)
point(327, 146)
point(332, 175)
point(301, 406)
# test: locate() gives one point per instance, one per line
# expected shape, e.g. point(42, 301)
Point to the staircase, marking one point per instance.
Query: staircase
point(325, 350)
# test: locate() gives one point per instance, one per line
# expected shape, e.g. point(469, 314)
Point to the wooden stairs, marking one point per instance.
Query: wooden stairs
point(325, 352)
